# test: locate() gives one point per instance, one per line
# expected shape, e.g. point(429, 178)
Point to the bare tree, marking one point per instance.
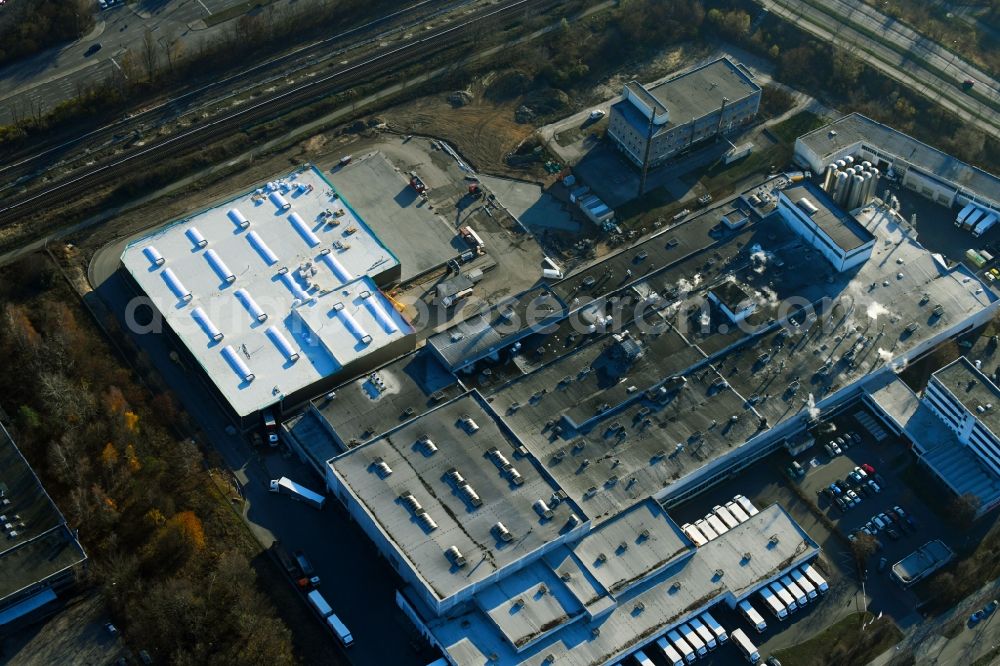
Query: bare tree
point(150, 54)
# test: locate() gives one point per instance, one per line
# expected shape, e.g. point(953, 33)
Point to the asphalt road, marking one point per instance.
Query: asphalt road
point(901, 54)
point(39, 83)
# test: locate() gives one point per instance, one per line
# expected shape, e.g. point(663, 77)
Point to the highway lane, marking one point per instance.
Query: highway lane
point(904, 68)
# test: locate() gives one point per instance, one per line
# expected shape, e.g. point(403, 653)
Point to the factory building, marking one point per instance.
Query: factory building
point(41, 557)
point(836, 235)
point(951, 428)
point(654, 123)
point(273, 295)
point(919, 167)
point(513, 470)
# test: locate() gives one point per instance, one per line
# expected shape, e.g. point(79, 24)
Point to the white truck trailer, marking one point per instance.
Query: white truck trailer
point(297, 491)
point(746, 646)
point(985, 225)
point(326, 613)
point(774, 603)
point(752, 616)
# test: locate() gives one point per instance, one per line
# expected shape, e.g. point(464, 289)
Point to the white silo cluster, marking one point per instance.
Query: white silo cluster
point(849, 183)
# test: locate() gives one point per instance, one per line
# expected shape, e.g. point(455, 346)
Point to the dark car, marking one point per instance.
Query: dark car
point(893, 534)
point(840, 504)
point(882, 563)
point(94, 48)
point(912, 523)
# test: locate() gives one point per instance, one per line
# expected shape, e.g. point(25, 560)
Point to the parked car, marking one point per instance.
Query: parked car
point(94, 48)
point(829, 450)
point(868, 468)
point(597, 114)
point(882, 563)
point(976, 617)
point(841, 504)
point(854, 497)
point(860, 472)
point(990, 607)
point(874, 486)
point(835, 489)
point(854, 477)
point(893, 516)
point(912, 523)
point(885, 519)
point(844, 487)
point(867, 530)
point(836, 449)
point(855, 437)
point(865, 490)
point(879, 523)
point(893, 534)
point(900, 511)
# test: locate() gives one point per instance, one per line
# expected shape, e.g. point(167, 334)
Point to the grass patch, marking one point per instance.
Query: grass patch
point(721, 176)
point(844, 643)
point(792, 128)
point(234, 11)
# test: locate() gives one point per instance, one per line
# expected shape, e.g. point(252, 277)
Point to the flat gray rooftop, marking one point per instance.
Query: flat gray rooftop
point(420, 238)
point(417, 470)
point(690, 584)
point(956, 463)
point(922, 561)
point(974, 390)
point(839, 225)
point(44, 544)
point(832, 139)
point(379, 401)
point(497, 326)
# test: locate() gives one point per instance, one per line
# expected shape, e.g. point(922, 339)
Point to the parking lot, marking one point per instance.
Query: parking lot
point(768, 482)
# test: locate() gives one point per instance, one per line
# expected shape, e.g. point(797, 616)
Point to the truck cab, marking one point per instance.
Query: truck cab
point(270, 428)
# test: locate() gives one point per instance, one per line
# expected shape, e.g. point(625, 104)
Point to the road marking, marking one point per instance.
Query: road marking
point(204, 7)
point(115, 63)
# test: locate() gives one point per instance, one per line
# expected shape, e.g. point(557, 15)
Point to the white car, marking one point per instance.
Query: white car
point(597, 114)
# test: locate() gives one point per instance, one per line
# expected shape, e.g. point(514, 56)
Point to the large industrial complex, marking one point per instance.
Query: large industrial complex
point(517, 468)
point(514, 471)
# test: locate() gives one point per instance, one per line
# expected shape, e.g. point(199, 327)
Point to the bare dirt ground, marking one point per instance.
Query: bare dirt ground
point(74, 635)
point(483, 132)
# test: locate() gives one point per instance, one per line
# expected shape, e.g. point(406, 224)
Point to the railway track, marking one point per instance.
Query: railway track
point(379, 63)
point(25, 162)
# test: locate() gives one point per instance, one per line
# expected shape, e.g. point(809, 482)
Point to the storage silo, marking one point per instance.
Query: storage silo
point(841, 165)
point(866, 185)
point(828, 177)
point(873, 184)
point(840, 186)
point(849, 160)
point(854, 195)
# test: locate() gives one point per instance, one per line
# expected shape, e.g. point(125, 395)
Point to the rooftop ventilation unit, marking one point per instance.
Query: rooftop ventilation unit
point(499, 459)
point(196, 238)
point(502, 532)
point(566, 576)
point(153, 255)
point(250, 304)
point(470, 495)
point(199, 316)
point(542, 509)
point(454, 556)
point(573, 521)
point(454, 476)
point(237, 363)
point(411, 502)
point(238, 218)
point(279, 201)
point(428, 522)
point(469, 425)
point(176, 286)
point(428, 444)
point(265, 252)
point(281, 342)
point(382, 467)
point(515, 477)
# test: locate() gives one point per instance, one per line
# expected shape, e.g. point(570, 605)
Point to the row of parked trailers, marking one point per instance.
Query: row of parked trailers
point(720, 520)
point(687, 642)
point(793, 591)
point(975, 219)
